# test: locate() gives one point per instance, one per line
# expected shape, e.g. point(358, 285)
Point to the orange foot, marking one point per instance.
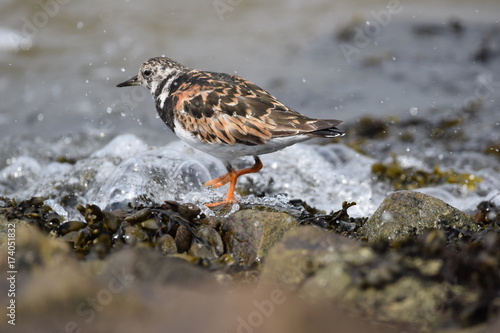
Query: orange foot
point(231, 177)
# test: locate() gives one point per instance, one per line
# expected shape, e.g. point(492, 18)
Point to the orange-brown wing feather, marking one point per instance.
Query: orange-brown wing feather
point(222, 108)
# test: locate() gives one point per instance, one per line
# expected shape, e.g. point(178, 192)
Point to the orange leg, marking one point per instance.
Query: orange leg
point(219, 181)
point(231, 177)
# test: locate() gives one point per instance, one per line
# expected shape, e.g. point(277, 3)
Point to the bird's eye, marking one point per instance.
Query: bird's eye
point(147, 73)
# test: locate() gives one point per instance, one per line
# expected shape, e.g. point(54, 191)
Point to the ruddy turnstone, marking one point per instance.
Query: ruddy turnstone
point(225, 116)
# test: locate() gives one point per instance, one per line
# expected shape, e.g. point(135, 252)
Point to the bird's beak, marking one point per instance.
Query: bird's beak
point(134, 81)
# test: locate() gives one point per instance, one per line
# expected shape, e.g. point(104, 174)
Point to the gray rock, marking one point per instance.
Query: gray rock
point(406, 299)
point(249, 234)
point(409, 213)
point(300, 254)
point(166, 245)
point(320, 266)
point(213, 239)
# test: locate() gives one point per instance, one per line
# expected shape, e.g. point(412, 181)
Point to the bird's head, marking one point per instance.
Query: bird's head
point(153, 72)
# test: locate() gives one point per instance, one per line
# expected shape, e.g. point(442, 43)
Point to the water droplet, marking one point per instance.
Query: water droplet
point(122, 69)
point(386, 216)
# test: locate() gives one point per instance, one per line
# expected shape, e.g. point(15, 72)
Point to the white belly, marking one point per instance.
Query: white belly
point(227, 153)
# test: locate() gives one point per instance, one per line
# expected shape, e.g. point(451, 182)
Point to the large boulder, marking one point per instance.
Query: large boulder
point(409, 213)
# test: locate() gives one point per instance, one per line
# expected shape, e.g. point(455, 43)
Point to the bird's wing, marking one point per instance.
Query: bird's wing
point(223, 108)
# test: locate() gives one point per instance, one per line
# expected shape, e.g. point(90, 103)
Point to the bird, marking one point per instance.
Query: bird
point(226, 116)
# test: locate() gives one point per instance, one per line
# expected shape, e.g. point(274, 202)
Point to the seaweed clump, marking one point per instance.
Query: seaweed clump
point(170, 228)
point(338, 221)
point(32, 211)
point(466, 267)
point(410, 178)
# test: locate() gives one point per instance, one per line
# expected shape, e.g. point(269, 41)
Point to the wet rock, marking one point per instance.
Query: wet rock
point(383, 284)
point(183, 239)
point(151, 224)
point(70, 226)
point(101, 245)
point(133, 235)
point(408, 299)
point(139, 216)
point(198, 250)
point(419, 282)
point(300, 254)
point(407, 213)
point(212, 239)
point(166, 244)
point(189, 210)
point(249, 234)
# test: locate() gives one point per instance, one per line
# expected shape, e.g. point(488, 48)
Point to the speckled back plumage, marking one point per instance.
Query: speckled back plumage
point(226, 109)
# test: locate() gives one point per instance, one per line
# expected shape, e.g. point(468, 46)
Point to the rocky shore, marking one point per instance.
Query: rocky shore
point(417, 264)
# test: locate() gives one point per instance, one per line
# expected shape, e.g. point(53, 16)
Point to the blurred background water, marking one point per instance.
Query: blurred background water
point(61, 60)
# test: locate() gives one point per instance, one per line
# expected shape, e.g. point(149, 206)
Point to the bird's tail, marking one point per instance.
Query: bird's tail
point(326, 128)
